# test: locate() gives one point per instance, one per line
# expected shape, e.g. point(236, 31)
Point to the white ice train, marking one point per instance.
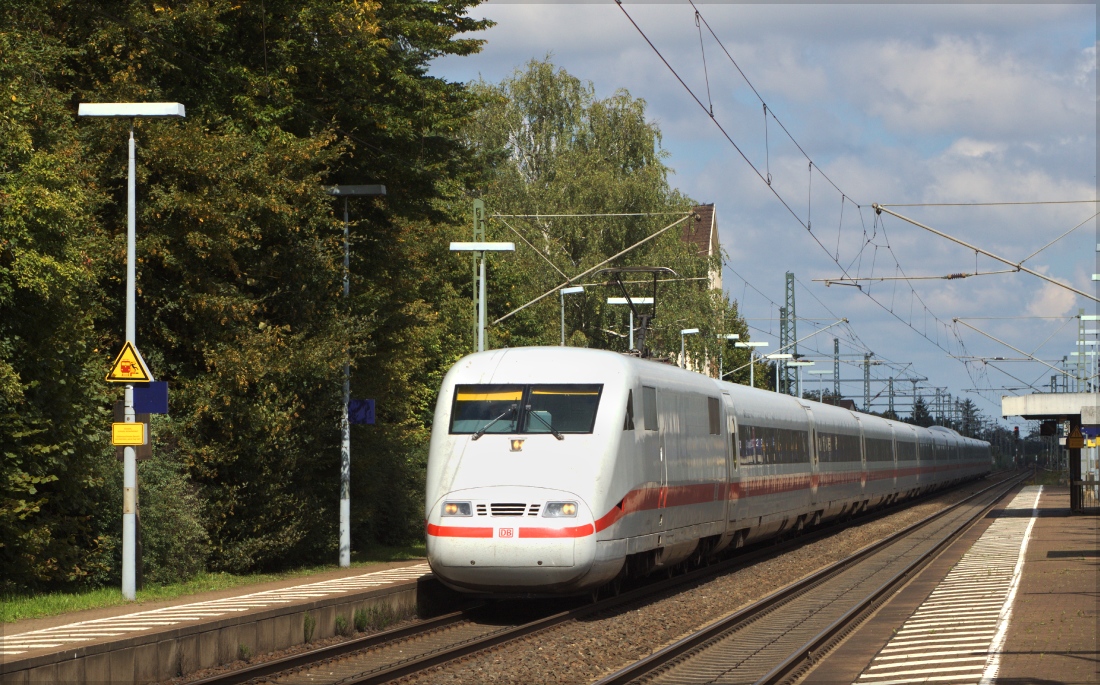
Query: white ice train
point(555, 470)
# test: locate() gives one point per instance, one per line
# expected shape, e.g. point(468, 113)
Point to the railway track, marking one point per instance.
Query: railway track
point(394, 654)
point(777, 638)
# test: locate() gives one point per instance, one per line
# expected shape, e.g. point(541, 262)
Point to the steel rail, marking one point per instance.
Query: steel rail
point(314, 655)
point(817, 642)
point(317, 658)
point(713, 631)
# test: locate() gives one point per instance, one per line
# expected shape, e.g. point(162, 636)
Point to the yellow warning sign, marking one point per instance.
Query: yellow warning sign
point(128, 434)
point(129, 367)
point(1075, 440)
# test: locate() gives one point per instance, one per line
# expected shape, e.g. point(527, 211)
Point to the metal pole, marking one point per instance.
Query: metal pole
point(562, 292)
point(345, 428)
point(777, 375)
point(632, 329)
point(481, 304)
point(681, 350)
point(836, 367)
point(752, 368)
point(866, 382)
point(129, 467)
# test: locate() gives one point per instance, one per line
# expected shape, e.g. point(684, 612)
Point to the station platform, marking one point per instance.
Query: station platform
point(155, 641)
point(991, 608)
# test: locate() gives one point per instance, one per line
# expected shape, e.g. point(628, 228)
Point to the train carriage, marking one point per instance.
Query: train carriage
point(555, 470)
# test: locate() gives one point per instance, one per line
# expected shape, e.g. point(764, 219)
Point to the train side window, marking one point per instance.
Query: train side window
point(628, 424)
point(649, 407)
point(715, 416)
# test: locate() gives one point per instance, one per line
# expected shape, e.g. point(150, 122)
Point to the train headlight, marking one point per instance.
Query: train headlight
point(457, 509)
point(560, 509)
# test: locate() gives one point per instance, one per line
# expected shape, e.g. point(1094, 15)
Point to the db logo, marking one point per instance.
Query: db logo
point(505, 532)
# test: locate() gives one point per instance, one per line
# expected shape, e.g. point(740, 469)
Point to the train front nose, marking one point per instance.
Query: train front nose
point(510, 540)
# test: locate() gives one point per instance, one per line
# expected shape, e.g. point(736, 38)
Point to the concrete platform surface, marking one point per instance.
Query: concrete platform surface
point(984, 613)
point(148, 642)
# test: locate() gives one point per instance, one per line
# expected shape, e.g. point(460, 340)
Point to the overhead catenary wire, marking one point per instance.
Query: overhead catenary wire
point(987, 204)
point(941, 328)
point(613, 257)
point(533, 248)
point(563, 216)
point(740, 152)
point(987, 253)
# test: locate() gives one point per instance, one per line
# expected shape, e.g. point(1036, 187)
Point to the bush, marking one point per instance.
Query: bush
point(342, 627)
point(308, 625)
point(175, 544)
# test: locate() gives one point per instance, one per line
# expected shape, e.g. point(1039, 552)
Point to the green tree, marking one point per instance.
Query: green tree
point(52, 420)
point(239, 260)
point(920, 415)
point(553, 148)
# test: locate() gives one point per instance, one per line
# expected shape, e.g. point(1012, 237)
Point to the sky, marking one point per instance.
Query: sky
point(926, 104)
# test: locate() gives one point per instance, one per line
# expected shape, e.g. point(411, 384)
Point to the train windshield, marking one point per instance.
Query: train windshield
point(561, 408)
point(486, 408)
point(540, 408)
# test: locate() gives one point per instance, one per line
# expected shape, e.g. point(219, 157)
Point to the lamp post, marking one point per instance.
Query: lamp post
point(752, 364)
point(345, 428)
point(820, 373)
point(777, 358)
point(567, 291)
point(683, 332)
point(131, 111)
point(800, 364)
point(722, 355)
point(635, 300)
point(481, 249)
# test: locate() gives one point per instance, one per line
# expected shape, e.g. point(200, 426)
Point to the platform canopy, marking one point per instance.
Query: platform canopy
point(1056, 405)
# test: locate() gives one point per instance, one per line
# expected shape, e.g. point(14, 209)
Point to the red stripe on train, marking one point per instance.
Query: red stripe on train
point(574, 532)
point(459, 531)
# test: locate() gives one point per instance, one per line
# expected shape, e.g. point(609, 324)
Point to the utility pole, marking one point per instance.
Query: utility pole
point(1082, 365)
point(867, 381)
point(891, 382)
point(836, 367)
point(784, 341)
point(345, 426)
point(479, 237)
point(790, 329)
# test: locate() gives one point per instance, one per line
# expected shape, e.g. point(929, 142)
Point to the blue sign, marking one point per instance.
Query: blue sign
point(361, 411)
point(151, 398)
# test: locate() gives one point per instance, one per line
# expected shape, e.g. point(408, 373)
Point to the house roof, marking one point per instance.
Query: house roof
point(702, 231)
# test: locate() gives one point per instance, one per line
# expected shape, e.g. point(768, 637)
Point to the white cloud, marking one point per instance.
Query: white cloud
point(964, 84)
point(1051, 300)
point(898, 104)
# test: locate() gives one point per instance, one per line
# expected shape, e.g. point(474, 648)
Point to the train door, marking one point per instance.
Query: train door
point(894, 448)
point(656, 460)
point(733, 486)
point(862, 459)
point(811, 436)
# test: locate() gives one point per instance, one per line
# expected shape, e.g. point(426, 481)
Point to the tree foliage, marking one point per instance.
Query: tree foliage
point(240, 264)
point(554, 148)
point(239, 259)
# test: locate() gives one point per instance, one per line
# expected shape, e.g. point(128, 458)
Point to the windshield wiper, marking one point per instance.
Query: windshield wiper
point(481, 431)
point(546, 423)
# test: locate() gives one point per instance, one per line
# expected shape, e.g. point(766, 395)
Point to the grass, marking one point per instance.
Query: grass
point(21, 607)
point(1044, 477)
